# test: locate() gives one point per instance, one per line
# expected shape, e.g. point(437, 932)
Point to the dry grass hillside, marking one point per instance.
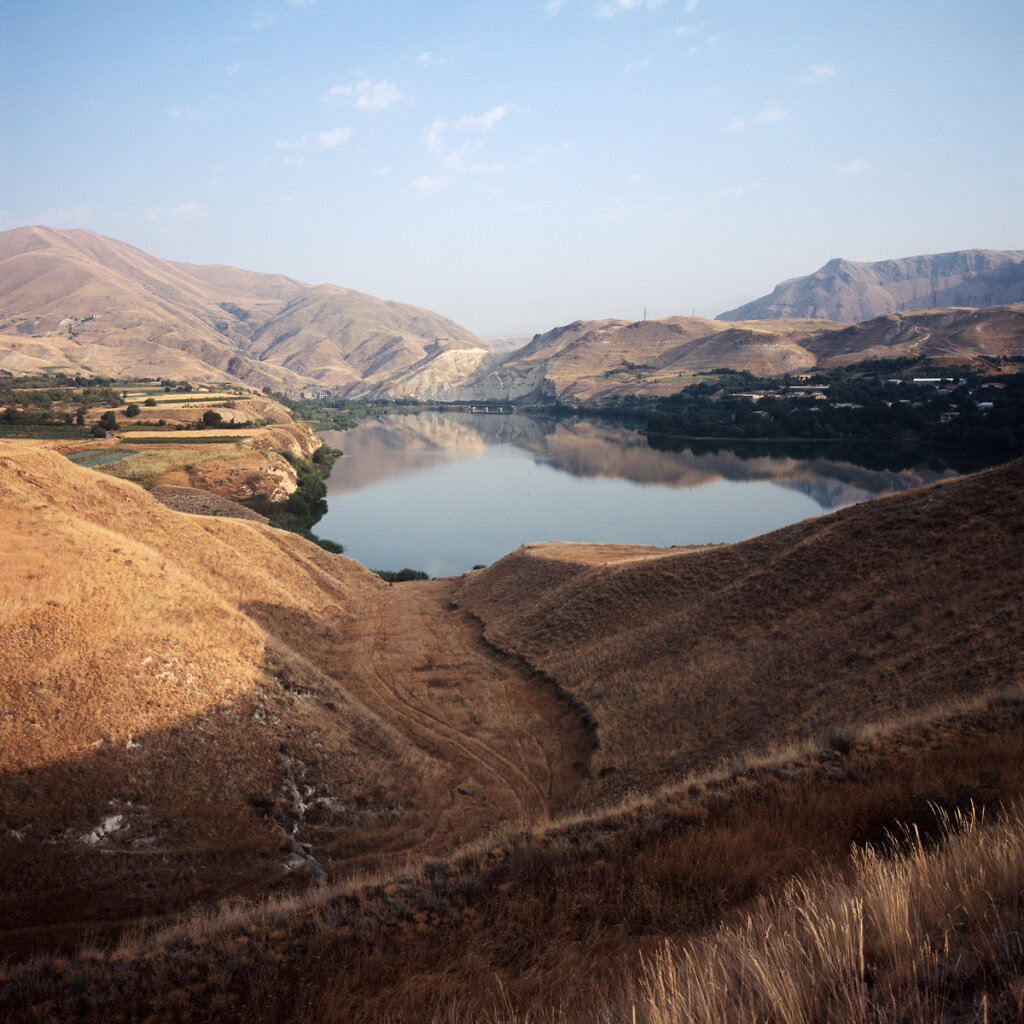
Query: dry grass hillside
point(874, 611)
point(566, 787)
point(185, 700)
point(75, 300)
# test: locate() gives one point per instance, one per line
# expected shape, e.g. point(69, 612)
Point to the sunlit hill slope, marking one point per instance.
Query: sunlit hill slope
point(77, 301)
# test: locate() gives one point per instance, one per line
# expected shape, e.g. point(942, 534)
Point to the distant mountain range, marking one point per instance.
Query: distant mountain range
point(851, 292)
point(75, 300)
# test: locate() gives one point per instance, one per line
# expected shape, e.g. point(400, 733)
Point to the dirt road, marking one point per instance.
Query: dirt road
point(507, 747)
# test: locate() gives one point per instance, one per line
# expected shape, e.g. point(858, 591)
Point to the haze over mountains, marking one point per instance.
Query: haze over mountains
point(850, 292)
point(75, 300)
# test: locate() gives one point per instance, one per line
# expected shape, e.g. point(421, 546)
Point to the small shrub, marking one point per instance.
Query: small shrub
point(402, 576)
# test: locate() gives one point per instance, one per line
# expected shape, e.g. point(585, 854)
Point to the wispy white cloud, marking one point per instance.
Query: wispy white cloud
point(190, 211)
point(234, 69)
point(690, 6)
point(427, 186)
point(260, 19)
point(770, 113)
point(333, 137)
point(381, 171)
point(428, 59)
point(327, 139)
point(486, 121)
point(609, 8)
point(432, 135)
point(182, 113)
point(548, 149)
point(816, 73)
point(735, 191)
point(854, 167)
point(456, 159)
point(369, 95)
point(493, 168)
point(552, 7)
point(637, 66)
point(264, 17)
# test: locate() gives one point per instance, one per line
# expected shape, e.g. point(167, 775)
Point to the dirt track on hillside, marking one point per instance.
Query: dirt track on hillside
point(508, 748)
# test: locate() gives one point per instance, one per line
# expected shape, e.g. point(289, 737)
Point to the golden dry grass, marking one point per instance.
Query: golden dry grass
point(159, 667)
point(685, 659)
point(557, 922)
point(486, 862)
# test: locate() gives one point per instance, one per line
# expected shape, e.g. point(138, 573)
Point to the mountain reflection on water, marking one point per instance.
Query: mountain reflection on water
point(444, 491)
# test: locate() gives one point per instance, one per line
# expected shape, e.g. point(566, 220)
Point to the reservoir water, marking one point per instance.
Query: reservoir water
point(442, 492)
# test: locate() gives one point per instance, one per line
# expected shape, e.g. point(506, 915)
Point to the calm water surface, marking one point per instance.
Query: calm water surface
point(443, 492)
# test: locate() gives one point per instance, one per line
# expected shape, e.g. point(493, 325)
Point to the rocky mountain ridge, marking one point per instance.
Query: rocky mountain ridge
point(848, 291)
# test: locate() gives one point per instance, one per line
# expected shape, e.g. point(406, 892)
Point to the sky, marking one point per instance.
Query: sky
point(519, 165)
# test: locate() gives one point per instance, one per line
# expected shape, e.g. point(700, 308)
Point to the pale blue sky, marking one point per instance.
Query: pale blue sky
point(518, 165)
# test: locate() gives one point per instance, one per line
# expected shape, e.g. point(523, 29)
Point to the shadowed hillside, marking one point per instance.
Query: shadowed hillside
point(194, 707)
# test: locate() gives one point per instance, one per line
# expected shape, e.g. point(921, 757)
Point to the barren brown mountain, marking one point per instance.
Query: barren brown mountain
point(848, 291)
point(75, 300)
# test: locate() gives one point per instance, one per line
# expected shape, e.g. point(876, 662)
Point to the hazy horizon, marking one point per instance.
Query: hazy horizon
point(521, 166)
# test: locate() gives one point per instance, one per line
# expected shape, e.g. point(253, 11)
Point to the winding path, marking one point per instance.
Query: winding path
point(505, 746)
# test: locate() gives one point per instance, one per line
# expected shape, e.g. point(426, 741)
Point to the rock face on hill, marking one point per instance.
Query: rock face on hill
point(75, 300)
point(848, 291)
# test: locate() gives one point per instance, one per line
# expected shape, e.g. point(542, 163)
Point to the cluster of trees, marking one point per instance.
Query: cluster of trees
point(308, 503)
point(52, 398)
point(860, 405)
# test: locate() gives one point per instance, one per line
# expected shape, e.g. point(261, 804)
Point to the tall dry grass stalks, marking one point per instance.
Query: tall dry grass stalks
point(919, 934)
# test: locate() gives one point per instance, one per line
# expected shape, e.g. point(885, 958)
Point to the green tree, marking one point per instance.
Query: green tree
point(212, 418)
point(108, 421)
point(132, 410)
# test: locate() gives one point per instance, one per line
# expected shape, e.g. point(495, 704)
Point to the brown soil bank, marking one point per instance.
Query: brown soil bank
point(688, 657)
